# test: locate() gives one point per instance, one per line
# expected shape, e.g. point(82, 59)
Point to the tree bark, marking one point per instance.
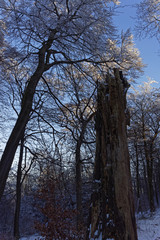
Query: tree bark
point(112, 208)
point(79, 185)
point(137, 178)
point(150, 184)
point(18, 192)
point(23, 118)
point(137, 171)
point(79, 173)
point(149, 163)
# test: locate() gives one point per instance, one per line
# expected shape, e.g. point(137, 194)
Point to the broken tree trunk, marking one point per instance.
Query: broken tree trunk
point(112, 204)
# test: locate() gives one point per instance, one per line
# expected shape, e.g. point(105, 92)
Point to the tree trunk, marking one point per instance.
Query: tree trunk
point(23, 118)
point(112, 208)
point(156, 189)
point(150, 184)
point(17, 132)
point(18, 193)
point(149, 163)
point(137, 171)
point(79, 172)
point(79, 186)
point(137, 178)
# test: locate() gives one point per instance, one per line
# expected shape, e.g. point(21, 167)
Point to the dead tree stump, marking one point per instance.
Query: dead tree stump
point(112, 204)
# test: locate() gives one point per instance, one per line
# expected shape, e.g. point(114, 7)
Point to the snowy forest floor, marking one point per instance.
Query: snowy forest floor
point(148, 227)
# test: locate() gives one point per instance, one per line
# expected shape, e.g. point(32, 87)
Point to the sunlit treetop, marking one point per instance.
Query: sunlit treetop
point(77, 26)
point(148, 18)
point(124, 55)
point(77, 29)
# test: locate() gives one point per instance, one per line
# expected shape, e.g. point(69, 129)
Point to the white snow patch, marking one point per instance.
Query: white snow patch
point(33, 237)
point(148, 227)
point(97, 181)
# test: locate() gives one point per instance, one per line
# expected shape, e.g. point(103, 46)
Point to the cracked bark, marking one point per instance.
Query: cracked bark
point(112, 209)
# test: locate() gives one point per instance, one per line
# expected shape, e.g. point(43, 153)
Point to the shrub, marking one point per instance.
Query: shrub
point(58, 220)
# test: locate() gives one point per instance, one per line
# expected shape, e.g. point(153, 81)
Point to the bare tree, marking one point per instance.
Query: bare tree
point(148, 20)
point(72, 33)
point(75, 109)
point(145, 129)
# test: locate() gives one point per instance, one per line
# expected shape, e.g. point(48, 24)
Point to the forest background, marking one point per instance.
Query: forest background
point(56, 147)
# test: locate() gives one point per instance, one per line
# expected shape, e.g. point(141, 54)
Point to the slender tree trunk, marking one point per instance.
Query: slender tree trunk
point(150, 184)
point(79, 173)
point(137, 178)
point(156, 189)
point(18, 192)
point(149, 162)
point(145, 183)
point(137, 172)
point(17, 132)
point(112, 208)
point(79, 186)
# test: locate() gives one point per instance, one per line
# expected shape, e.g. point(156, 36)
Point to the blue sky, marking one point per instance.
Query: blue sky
point(149, 48)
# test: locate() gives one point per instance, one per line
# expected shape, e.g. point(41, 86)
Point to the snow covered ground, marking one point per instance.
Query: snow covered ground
point(148, 227)
point(34, 237)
